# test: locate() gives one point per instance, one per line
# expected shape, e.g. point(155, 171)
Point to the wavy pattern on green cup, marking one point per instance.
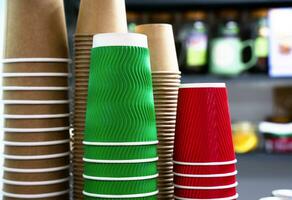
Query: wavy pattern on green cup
point(120, 152)
point(141, 198)
point(120, 170)
point(120, 187)
point(120, 105)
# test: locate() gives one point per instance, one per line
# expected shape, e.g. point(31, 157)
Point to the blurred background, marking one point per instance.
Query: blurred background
point(248, 45)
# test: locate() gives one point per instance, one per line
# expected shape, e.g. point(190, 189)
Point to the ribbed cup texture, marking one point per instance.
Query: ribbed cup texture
point(203, 143)
point(120, 111)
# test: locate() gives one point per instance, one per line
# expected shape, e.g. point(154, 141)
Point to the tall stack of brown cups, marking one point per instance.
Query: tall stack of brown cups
point(36, 104)
point(166, 81)
point(95, 16)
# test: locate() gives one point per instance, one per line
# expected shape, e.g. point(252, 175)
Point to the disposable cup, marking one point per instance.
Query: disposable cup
point(161, 46)
point(120, 170)
point(36, 109)
point(224, 198)
point(64, 195)
point(195, 120)
point(18, 68)
point(205, 194)
point(188, 181)
point(36, 137)
point(36, 123)
point(40, 81)
point(120, 187)
point(45, 176)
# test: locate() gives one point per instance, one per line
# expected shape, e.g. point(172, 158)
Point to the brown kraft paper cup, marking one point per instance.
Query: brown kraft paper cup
point(36, 189)
point(37, 123)
point(36, 109)
point(42, 33)
point(37, 137)
point(36, 81)
point(61, 197)
point(35, 67)
point(99, 16)
point(36, 150)
point(45, 176)
point(37, 164)
point(35, 95)
point(161, 46)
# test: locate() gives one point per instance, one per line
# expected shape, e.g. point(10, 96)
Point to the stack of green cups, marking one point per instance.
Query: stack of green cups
point(120, 145)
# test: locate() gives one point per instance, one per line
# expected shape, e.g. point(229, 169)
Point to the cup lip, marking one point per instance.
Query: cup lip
point(283, 193)
point(37, 74)
point(33, 88)
point(203, 85)
point(206, 175)
point(273, 198)
point(35, 183)
point(120, 143)
point(166, 72)
point(37, 170)
point(36, 157)
point(21, 60)
point(219, 187)
point(224, 198)
point(35, 196)
point(35, 130)
point(138, 178)
point(120, 39)
point(121, 196)
point(205, 163)
point(44, 143)
point(34, 102)
point(146, 160)
point(49, 116)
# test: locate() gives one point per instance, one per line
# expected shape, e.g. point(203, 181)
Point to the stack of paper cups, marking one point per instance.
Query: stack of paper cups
point(120, 134)
point(95, 16)
point(166, 81)
point(36, 105)
point(204, 158)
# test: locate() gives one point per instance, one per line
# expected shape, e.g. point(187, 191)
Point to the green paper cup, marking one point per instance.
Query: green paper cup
point(120, 170)
point(120, 152)
point(142, 198)
point(120, 187)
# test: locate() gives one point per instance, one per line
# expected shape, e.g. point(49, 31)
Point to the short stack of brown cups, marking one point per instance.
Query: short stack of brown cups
point(36, 105)
point(95, 16)
point(166, 81)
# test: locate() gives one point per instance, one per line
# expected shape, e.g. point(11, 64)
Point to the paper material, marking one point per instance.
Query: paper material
point(36, 109)
point(36, 150)
point(45, 176)
point(161, 45)
point(33, 137)
point(36, 29)
point(35, 95)
point(35, 67)
point(100, 16)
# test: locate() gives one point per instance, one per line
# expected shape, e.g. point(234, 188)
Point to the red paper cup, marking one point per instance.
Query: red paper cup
point(205, 182)
point(205, 194)
point(217, 169)
point(203, 128)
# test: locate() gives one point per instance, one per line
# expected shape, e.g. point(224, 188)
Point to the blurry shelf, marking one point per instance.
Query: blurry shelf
point(254, 79)
point(186, 3)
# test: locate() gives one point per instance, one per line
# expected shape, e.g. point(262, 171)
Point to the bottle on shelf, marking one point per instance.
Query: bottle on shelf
point(260, 34)
point(193, 38)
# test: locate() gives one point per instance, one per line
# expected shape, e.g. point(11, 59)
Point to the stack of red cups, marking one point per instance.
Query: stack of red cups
point(204, 158)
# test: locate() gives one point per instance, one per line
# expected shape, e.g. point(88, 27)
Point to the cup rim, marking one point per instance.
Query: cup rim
point(220, 187)
point(34, 102)
point(203, 85)
point(33, 88)
point(37, 74)
point(21, 60)
point(37, 170)
point(49, 116)
point(35, 130)
point(28, 144)
point(120, 39)
point(138, 178)
point(35, 183)
point(35, 196)
point(224, 198)
point(36, 157)
point(283, 193)
point(120, 143)
point(206, 163)
point(146, 160)
point(206, 175)
point(121, 196)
